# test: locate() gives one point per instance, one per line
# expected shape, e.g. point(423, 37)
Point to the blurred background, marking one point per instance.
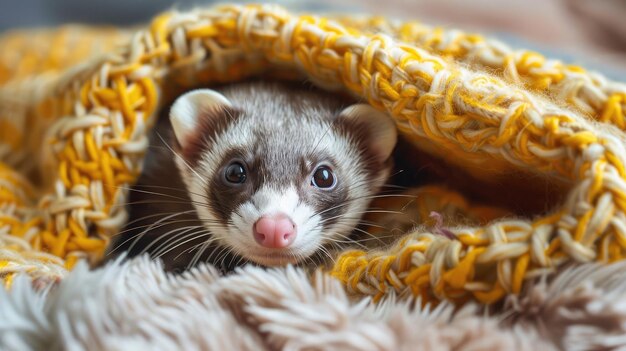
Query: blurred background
point(587, 32)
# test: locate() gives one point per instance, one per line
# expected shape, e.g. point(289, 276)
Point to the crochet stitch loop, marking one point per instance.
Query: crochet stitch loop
point(588, 92)
point(100, 111)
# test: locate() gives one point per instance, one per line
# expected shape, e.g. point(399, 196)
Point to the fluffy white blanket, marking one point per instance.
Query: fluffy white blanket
point(136, 306)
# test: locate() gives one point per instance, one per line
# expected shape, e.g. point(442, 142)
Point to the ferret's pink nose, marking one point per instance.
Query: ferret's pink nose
point(275, 231)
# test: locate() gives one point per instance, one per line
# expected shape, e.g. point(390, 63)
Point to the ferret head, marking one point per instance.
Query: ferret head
point(275, 174)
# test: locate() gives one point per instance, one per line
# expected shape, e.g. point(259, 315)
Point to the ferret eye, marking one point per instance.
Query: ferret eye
point(323, 178)
point(235, 173)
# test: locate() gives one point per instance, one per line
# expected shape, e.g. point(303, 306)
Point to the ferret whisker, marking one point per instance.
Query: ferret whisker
point(216, 253)
point(357, 229)
point(174, 240)
point(336, 247)
point(306, 260)
point(318, 258)
point(374, 237)
point(190, 249)
point(330, 239)
point(160, 225)
point(235, 254)
point(380, 196)
point(383, 193)
point(195, 247)
point(131, 189)
point(376, 210)
point(369, 181)
point(301, 258)
point(369, 223)
point(170, 236)
point(350, 201)
point(369, 234)
point(396, 173)
point(196, 218)
point(192, 236)
point(152, 215)
point(184, 191)
point(326, 220)
point(163, 249)
point(330, 256)
point(222, 256)
point(302, 261)
point(243, 261)
point(232, 258)
point(151, 202)
point(360, 221)
point(181, 158)
point(347, 241)
point(356, 241)
point(137, 237)
point(325, 252)
point(208, 259)
point(394, 186)
point(132, 245)
point(200, 250)
point(241, 258)
point(370, 237)
point(203, 247)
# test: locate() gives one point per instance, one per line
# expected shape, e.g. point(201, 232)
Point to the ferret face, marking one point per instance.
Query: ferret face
point(274, 174)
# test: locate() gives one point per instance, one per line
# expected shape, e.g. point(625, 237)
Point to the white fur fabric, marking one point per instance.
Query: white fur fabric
point(136, 306)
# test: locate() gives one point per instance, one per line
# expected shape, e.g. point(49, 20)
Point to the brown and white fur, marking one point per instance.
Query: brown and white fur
point(184, 210)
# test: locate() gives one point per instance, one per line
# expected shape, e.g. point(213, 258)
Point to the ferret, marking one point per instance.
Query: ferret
point(256, 172)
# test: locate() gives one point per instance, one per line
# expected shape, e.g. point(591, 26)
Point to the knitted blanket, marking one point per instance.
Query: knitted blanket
point(76, 105)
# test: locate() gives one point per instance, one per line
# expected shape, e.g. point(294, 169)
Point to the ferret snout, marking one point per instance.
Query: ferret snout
point(274, 231)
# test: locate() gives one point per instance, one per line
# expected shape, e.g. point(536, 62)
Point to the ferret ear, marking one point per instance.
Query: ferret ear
point(190, 107)
point(380, 127)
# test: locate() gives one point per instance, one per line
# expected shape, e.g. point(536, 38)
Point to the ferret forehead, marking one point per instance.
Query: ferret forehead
point(279, 140)
point(282, 102)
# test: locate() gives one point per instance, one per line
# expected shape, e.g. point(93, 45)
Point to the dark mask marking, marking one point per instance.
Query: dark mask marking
point(224, 197)
point(323, 200)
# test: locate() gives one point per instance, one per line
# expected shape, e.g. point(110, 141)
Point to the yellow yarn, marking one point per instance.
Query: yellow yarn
point(82, 119)
point(592, 94)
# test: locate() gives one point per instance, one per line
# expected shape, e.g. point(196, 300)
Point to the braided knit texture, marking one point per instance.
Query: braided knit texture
point(74, 121)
